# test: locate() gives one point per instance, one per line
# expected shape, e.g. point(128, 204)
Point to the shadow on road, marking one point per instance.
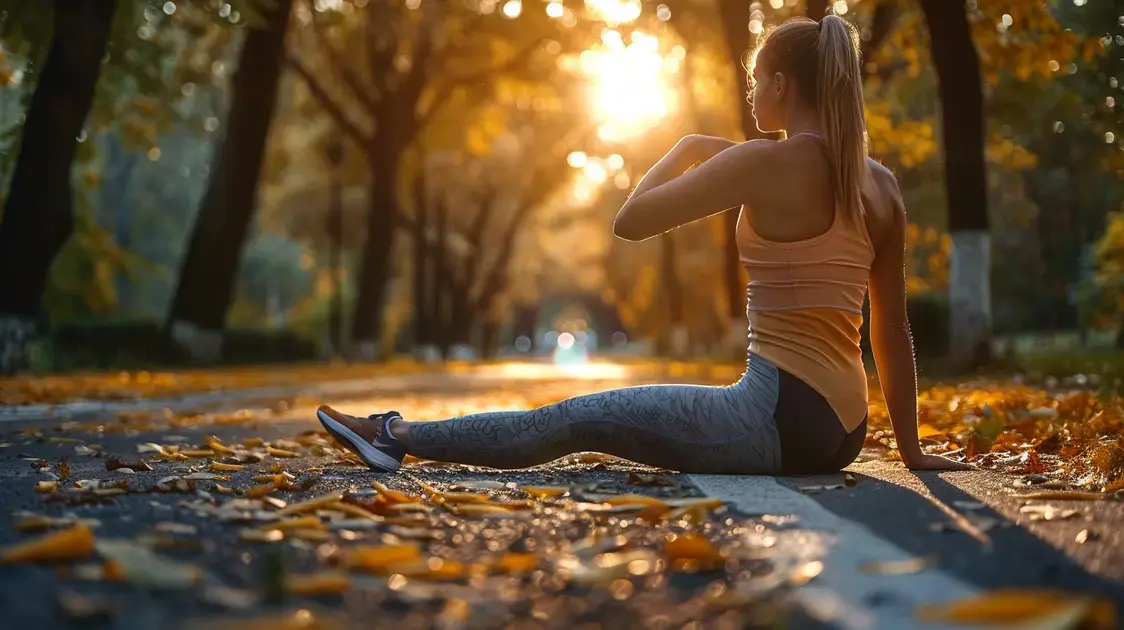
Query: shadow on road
point(907, 518)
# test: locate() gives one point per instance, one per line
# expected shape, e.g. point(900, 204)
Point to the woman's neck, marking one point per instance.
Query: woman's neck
point(802, 122)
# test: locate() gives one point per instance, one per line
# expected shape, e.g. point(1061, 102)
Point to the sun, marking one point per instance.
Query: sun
point(631, 84)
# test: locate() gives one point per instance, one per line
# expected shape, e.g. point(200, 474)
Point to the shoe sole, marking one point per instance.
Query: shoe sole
point(370, 455)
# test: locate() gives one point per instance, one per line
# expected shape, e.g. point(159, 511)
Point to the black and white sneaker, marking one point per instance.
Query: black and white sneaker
point(382, 452)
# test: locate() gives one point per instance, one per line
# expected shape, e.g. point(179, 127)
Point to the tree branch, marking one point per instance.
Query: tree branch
point(337, 61)
point(381, 20)
point(881, 24)
point(321, 95)
point(480, 78)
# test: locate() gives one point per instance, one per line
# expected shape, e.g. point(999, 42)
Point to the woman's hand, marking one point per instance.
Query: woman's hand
point(936, 462)
point(700, 148)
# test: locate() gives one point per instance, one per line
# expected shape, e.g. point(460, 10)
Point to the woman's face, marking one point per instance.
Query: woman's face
point(766, 99)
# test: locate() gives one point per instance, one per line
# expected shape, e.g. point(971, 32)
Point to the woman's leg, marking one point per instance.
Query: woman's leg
point(689, 428)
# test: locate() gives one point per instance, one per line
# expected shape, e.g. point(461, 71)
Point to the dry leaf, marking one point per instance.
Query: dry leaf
point(64, 468)
point(378, 558)
point(219, 467)
point(545, 492)
point(139, 566)
point(928, 431)
point(1064, 495)
point(896, 567)
point(1045, 610)
point(517, 562)
point(317, 584)
point(261, 535)
point(311, 504)
point(68, 544)
point(638, 479)
point(81, 608)
point(277, 452)
point(46, 487)
point(114, 462)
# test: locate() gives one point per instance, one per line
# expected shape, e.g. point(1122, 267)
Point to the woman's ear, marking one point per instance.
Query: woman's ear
point(780, 86)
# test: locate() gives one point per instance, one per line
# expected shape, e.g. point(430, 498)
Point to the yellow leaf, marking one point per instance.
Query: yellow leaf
point(68, 544)
point(1030, 608)
point(927, 430)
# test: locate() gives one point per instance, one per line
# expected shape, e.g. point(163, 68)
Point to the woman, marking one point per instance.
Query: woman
point(819, 223)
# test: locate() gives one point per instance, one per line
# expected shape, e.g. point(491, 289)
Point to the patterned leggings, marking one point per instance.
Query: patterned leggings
point(689, 428)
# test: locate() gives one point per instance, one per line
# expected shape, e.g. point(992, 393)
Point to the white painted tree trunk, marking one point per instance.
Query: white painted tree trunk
point(16, 334)
point(969, 293)
point(202, 346)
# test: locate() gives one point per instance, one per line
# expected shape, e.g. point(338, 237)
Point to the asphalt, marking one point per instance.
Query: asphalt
point(970, 524)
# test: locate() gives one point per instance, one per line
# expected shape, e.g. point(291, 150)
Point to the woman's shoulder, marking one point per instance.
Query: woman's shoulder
point(882, 201)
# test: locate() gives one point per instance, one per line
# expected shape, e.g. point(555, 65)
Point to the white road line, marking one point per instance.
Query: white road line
point(860, 600)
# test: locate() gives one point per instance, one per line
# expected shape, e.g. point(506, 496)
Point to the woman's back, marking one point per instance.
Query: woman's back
point(808, 268)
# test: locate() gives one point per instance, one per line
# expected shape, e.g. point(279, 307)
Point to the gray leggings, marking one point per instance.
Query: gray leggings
point(767, 422)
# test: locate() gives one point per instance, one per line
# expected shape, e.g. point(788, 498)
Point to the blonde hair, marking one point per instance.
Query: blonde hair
point(822, 59)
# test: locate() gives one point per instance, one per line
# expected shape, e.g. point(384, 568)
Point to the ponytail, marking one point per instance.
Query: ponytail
point(822, 59)
point(839, 95)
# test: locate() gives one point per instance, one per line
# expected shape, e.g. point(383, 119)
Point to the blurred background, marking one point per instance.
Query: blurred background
point(255, 181)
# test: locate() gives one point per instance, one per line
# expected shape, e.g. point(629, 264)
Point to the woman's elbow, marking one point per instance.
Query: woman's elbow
point(627, 228)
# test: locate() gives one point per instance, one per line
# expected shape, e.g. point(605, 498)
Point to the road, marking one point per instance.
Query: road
point(971, 534)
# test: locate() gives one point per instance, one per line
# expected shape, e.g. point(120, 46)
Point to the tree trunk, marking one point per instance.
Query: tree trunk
point(961, 93)
point(38, 216)
point(375, 272)
point(115, 214)
point(735, 21)
point(440, 298)
point(210, 267)
point(673, 291)
point(423, 329)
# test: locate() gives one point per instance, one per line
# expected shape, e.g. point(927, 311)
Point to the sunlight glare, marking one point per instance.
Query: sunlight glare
point(512, 8)
point(631, 93)
point(614, 12)
point(576, 159)
point(555, 10)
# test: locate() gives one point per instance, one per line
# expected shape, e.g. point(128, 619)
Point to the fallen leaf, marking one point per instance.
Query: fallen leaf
point(260, 491)
point(318, 584)
point(311, 504)
point(429, 569)
point(220, 467)
point(261, 535)
point(139, 566)
point(896, 567)
point(82, 608)
point(198, 453)
point(278, 452)
point(253, 442)
point(815, 489)
point(304, 522)
point(693, 552)
point(68, 544)
point(517, 563)
point(216, 445)
point(928, 431)
point(206, 476)
point(378, 558)
point(1048, 610)
point(64, 468)
point(114, 462)
point(1064, 495)
point(1047, 512)
point(545, 492)
point(462, 497)
point(46, 487)
point(638, 479)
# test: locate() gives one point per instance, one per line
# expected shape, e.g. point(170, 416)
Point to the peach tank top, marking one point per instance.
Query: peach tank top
point(804, 307)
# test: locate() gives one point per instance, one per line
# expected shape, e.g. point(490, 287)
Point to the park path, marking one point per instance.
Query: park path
point(865, 550)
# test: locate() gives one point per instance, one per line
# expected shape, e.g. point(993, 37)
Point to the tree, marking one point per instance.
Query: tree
point(207, 277)
point(961, 95)
point(38, 216)
point(415, 60)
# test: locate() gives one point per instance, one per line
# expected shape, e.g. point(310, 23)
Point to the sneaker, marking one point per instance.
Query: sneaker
point(370, 439)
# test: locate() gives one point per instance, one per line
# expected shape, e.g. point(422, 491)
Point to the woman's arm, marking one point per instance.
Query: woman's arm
point(892, 342)
point(666, 197)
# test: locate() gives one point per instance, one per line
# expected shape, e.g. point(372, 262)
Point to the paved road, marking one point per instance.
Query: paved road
point(967, 524)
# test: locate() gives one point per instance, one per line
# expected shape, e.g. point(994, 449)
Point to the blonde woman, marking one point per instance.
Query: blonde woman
point(819, 224)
